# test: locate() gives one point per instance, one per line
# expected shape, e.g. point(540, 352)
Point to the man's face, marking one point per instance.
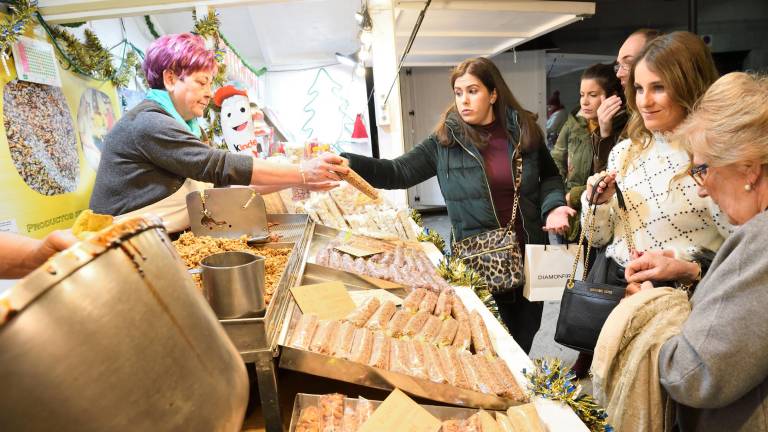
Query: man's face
point(627, 55)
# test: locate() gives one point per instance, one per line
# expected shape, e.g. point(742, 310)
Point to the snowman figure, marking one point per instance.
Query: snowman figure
point(236, 120)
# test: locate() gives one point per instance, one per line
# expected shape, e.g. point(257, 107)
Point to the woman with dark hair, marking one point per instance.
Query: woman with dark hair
point(471, 152)
point(582, 148)
point(154, 157)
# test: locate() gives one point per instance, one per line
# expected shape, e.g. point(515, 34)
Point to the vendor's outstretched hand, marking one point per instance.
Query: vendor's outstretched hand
point(323, 168)
point(322, 186)
point(557, 220)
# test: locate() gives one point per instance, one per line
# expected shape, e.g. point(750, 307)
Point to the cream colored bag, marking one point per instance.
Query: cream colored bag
point(547, 269)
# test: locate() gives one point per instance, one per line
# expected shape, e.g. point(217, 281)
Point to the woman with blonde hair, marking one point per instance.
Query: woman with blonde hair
point(665, 215)
point(716, 368)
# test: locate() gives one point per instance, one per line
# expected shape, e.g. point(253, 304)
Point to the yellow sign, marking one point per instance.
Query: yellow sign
point(50, 143)
point(358, 251)
point(400, 413)
point(328, 300)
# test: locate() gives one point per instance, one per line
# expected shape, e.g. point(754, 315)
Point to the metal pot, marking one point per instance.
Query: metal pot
point(111, 335)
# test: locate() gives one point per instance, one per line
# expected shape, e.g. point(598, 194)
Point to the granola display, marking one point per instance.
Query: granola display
point(194, 248)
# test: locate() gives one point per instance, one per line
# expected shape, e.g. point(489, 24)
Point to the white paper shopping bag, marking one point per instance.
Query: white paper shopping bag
point(547, 269)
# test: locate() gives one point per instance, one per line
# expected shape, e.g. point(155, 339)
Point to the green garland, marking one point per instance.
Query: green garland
point(257, 72)
point(22, 12)
point(551, 380)
point(90, 58)
point(151, 27)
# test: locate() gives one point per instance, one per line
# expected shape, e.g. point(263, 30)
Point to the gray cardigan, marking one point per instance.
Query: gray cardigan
point(716, 369)
point(148, 155)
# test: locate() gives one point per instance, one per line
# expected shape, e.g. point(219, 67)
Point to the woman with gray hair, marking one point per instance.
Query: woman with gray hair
point(716, 368)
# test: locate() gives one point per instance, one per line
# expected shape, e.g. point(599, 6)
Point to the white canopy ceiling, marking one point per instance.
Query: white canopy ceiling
point(283, 34)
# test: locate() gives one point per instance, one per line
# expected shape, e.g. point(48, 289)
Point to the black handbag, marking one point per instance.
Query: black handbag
point(586, 304)
point(495, 255)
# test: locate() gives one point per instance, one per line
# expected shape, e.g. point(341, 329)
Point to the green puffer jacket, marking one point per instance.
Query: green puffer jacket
point(578, 154)
point(460, 172)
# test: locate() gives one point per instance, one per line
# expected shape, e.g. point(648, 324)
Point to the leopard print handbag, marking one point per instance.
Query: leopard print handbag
point(495, 254)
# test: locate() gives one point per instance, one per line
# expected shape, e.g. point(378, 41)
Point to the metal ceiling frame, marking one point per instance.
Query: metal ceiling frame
point(571, 11)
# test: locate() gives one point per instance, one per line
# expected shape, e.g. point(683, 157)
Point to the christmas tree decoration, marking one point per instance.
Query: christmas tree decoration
point(22, 12)
point(327, 108)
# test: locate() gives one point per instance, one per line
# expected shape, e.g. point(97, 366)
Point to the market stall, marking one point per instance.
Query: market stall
point(405, 327)
point(408, 328)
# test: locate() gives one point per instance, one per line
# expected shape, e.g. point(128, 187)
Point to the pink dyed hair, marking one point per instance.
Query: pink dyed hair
point(182, 53)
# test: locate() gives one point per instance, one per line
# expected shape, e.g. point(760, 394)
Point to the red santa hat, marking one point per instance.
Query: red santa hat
point(225, 92)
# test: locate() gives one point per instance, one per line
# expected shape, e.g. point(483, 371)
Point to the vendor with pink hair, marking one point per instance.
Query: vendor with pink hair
point(154, 157)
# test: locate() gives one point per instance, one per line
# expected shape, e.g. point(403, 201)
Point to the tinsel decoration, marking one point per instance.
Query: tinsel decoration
point(433, 237)
point(73, 24)
point(127, 70)
point(551, 380)
point(456, 272)
point(90, 58)
point(416, 216)
point(22, 12)
point(208, 28)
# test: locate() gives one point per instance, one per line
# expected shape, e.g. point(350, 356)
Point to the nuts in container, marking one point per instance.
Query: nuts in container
point(41, 137)
point(194, 248)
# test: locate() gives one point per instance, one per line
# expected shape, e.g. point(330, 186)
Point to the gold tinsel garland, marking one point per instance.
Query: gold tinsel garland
point(208, 28)
point(416, 216)
point(90, 58)
point(456, 272)
point(21, 14)
point(551, 380)
point(433, 237)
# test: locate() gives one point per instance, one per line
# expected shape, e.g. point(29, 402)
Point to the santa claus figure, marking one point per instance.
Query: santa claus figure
point(236, 120)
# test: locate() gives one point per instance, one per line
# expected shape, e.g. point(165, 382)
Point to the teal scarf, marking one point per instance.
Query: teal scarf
point(162, 98)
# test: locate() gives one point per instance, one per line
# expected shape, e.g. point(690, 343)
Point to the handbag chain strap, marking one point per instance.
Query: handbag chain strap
point(589, 222)
point(518, 181)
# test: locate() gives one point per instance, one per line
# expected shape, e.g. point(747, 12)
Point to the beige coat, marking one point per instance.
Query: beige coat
point(625, 367)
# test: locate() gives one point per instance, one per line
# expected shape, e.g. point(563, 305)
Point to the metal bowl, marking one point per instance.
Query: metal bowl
point(111, 335)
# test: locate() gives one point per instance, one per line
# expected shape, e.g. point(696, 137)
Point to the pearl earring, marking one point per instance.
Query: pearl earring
point(748, 187)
